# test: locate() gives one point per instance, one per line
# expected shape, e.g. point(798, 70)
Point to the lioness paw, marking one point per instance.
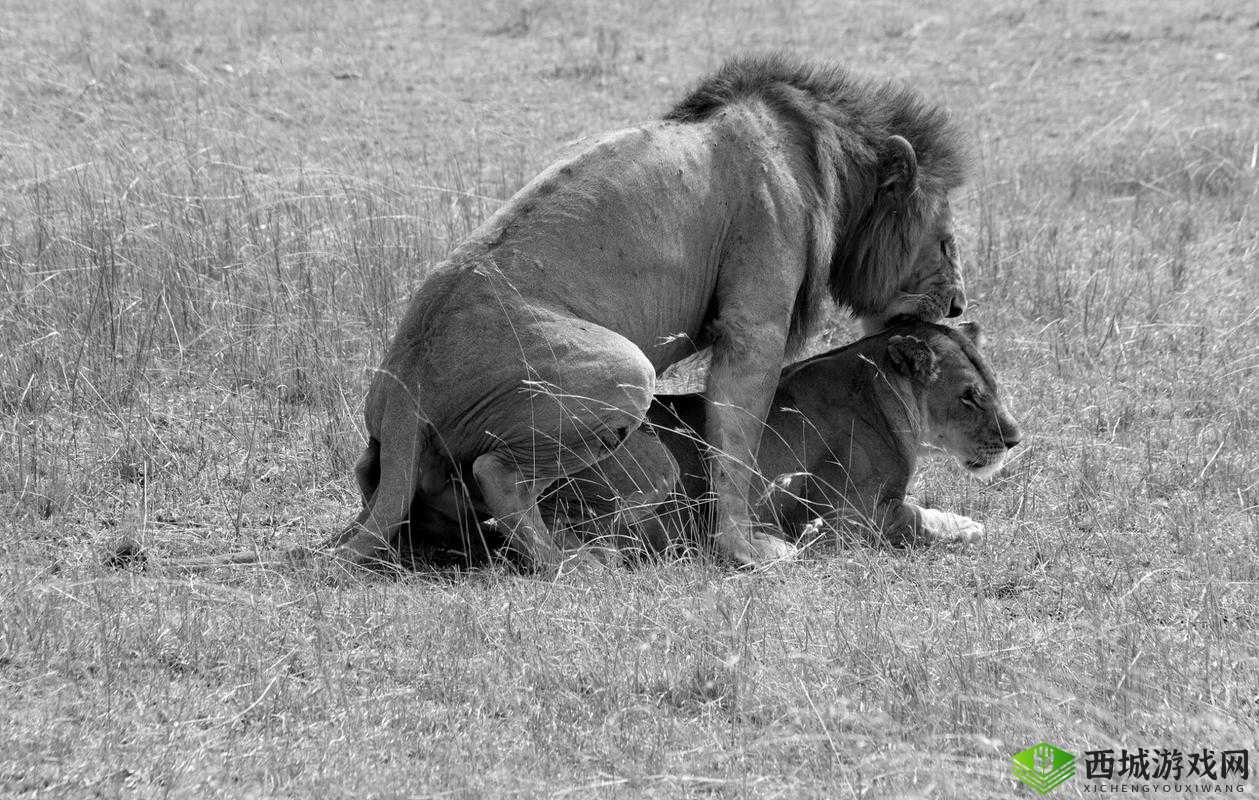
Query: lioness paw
point(945, 527)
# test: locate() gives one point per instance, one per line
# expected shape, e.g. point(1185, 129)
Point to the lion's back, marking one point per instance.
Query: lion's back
point(628, 232)
point(626, 236)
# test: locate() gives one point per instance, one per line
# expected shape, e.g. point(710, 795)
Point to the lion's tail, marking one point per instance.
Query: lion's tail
point(137, 558)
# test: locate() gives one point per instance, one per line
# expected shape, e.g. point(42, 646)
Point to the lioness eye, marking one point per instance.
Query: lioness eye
point(970, 396)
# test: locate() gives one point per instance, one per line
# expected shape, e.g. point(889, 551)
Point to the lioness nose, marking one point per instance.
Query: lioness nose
point(1011, 436)
point(957, 305)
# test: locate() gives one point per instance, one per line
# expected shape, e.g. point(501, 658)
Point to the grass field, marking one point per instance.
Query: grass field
point(210, 216)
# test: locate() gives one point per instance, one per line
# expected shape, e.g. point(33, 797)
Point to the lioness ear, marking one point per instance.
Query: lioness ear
point(971, 331)
point(912, 357)
point(898, 167)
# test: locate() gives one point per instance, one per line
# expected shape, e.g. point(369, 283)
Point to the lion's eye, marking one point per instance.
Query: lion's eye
point(946, 246)
point(971, 397)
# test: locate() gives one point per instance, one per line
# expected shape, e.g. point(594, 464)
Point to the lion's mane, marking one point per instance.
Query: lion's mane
point(862, 239)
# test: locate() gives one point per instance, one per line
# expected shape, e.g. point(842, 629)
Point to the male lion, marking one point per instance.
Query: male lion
point(533, 351)
point(842, 439)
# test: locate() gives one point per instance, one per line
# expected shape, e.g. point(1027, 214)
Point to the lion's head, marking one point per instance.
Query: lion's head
point(884, 162)
point(901, 256)
point(963, 413)
point(933, 290)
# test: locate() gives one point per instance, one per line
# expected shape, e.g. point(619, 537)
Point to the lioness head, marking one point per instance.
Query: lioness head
point(962, 409)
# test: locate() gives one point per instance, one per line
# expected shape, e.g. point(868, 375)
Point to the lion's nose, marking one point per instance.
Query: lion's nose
point(957, 305)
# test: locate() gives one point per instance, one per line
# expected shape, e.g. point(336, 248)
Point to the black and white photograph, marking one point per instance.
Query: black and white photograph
point(628, 399)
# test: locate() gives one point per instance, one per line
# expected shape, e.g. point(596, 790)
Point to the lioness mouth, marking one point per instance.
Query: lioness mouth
point(983, 469)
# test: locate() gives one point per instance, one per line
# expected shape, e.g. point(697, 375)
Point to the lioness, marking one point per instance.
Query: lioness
point(533, 351)
point(842, 439)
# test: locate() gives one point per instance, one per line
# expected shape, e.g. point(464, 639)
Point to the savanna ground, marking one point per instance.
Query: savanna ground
point(210, 216)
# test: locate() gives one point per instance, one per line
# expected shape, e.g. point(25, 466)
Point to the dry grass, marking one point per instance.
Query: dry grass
point(210, 215)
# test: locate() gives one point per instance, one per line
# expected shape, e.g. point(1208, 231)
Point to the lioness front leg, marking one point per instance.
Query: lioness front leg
point(903, 522)
point(948, 528)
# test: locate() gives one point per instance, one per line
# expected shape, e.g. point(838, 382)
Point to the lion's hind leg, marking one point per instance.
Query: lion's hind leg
point(621, 495)
point(513, 500)
point(397, 466)
point(582, 391)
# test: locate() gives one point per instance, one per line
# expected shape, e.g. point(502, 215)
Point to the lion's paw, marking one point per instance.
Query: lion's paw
point(755, 549)
point(949, 528)
point(580, 562)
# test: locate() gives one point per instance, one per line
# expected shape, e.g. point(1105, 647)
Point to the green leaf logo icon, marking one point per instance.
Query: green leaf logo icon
point(1043, 767)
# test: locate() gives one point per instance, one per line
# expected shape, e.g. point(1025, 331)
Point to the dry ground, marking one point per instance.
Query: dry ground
point(210, 213)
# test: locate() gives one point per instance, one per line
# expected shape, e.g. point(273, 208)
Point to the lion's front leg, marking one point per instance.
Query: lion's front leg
point(746, 366)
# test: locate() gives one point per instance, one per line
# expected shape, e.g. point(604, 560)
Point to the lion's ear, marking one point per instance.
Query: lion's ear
point(971, 331)
point(912, 357)
point(898, 168)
